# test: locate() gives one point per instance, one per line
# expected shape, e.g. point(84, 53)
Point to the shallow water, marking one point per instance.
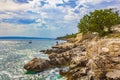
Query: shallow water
point(14, 54)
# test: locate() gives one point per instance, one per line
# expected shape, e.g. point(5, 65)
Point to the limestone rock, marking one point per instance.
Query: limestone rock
point(37, 64)
point(106, 50)
point(113, 75)
point(88, 60)
point(100, 62)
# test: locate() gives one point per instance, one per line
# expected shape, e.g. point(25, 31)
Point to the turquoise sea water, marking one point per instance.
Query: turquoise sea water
point(15, 53)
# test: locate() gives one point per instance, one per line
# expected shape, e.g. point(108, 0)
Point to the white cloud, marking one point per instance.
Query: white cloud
point(114, 6)
point(9, 5)
point(7, 29)
point(8, 14)
point(44, 14)
point(93, 2)
point(60, 15)
point(52, 3)
point(65, 0)
point(4, 16)
point(71, 16)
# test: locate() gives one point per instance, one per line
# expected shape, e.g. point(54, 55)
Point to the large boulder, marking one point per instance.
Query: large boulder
point(37, 64)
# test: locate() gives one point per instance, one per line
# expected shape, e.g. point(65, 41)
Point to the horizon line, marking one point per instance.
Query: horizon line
point(23, 37)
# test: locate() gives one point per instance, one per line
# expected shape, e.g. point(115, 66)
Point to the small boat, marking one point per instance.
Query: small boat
point(30, 42)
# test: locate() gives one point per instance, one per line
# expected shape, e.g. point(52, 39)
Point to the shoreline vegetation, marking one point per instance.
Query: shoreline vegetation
point(68, 37)
point(91, 54)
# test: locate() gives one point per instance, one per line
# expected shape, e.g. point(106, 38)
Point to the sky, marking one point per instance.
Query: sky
point(46, 18)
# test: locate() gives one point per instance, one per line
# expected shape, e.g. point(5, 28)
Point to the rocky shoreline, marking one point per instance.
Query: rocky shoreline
point(87, 59)
point(59, 56)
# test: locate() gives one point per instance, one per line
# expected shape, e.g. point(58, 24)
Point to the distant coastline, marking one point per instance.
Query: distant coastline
point(22, 38)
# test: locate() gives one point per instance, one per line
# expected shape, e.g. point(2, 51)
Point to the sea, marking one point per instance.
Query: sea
point(14, 54)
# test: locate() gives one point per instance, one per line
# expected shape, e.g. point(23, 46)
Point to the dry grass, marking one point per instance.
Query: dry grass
point(114, 35)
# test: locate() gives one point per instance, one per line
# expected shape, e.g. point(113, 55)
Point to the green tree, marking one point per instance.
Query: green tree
point(111, 18)
point(119, 20)
point(98, 21)
point(83, 26)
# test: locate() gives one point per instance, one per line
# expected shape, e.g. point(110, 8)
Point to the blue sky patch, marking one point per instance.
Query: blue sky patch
point(22, 1)
point(18, 21)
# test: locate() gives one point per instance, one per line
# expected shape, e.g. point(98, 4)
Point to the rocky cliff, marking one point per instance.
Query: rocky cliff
point(100, 61)
point(89, 59)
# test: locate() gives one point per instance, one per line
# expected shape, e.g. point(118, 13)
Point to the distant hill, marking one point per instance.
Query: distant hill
point(17, 37)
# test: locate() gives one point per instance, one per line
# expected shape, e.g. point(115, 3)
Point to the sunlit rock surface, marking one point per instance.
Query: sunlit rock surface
point(101, 61)
point(87, 60)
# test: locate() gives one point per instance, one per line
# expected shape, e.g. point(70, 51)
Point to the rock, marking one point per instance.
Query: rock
point(106, 50)
point(57, 58)
point(83, 71)
point(113, 75)
point(42, 51)
point(97, 63)
point(116, 48)
point(48, 51)
point(60, 59)
point(37, 64)
point(62, 72)
point(88, 60)
point(80, 37)
point(59, 49)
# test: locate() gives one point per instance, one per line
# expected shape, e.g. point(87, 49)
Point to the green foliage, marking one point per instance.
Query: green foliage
point(114, 35)
point(68, 36)
point(98, 21)
point(119, 20)
point(84, 24)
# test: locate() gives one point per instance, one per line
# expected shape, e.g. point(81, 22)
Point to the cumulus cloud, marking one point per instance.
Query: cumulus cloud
point(7, 29)
point(10, 5)
point(55, 16)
